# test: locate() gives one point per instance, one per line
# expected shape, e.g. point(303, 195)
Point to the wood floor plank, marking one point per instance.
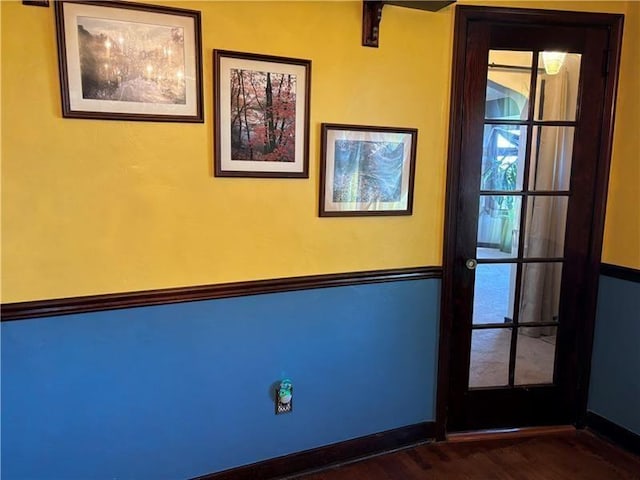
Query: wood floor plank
point(563, 456)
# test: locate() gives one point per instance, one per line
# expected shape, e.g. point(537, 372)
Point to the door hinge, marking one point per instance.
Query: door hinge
point(605, 62)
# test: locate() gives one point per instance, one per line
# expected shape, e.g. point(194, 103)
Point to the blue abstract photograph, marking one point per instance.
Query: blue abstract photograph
point(367, 171)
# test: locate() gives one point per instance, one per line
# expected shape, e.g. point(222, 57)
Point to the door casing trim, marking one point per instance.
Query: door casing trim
point(463, 16)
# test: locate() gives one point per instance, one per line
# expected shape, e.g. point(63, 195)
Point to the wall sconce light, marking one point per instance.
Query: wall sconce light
point(553, 61)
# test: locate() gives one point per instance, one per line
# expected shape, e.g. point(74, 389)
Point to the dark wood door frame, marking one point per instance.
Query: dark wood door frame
point(465, 15)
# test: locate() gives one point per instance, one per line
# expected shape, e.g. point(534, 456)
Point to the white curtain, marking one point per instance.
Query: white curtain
point(545, 221)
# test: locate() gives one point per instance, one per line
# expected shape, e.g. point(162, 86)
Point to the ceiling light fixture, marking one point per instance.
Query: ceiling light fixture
point(553, 61)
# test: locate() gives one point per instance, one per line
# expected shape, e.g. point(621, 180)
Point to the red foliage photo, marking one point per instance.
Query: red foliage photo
point(263, 116)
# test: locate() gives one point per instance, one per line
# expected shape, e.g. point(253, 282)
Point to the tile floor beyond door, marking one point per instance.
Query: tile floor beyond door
point(490, 359)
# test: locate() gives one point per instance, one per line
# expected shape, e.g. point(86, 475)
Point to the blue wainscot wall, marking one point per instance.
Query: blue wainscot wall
point(177, 391)
point(614, 391)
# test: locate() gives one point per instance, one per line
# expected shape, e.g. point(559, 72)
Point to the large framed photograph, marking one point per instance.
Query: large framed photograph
point(129, 61)
point(367, 170)
point(262, 115)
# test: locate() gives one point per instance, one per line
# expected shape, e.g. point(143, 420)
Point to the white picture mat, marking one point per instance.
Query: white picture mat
point(366, 136)
point(227, 164)
point(76, 102)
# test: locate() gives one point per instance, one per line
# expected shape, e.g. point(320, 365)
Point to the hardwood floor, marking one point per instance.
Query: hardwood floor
point(571, 456)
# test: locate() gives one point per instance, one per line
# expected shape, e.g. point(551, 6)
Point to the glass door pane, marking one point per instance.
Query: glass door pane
point(535, 355)
point(498, 226)
point(557, 86)
point(551, 157)
point(545, 226)
point(503, 152)
point(495, 293)
point(540, 292)
point(508, 84)
point(489, 366)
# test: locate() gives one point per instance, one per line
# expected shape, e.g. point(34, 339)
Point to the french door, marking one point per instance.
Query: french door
point(529, 155)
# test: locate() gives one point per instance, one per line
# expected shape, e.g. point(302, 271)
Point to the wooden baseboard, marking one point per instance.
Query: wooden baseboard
point(614, 433)
point(329, 455)
point(501, 433)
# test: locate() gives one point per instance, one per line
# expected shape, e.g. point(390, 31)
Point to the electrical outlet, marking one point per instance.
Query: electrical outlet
point(284, 397)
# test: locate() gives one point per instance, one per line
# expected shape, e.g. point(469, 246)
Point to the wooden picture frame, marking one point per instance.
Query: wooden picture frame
point(262, 115)
point(36, 3)
point(129, 61)
point(366, 170)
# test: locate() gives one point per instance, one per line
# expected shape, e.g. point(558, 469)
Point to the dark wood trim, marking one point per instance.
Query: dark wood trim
point(571, 455)
point(613, 432)
point(537, 193)
point(427, 5)
point(465, 15)
point(450, 230)
point(371, 16)
point(623, 273)
point(113, 301)
point(514, 260)
point(535, 15)
point(36, 3)
point(331, 454)
point(502, 433)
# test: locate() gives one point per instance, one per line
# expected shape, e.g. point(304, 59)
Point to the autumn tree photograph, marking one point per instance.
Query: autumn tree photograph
point(263, 116)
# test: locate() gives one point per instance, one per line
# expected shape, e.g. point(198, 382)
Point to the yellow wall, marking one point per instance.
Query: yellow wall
point(622, 227)
point(94, 206)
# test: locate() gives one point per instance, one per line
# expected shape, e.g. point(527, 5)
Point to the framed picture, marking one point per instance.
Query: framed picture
point(262, 115)
point(367, 170)
point(129, 61)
